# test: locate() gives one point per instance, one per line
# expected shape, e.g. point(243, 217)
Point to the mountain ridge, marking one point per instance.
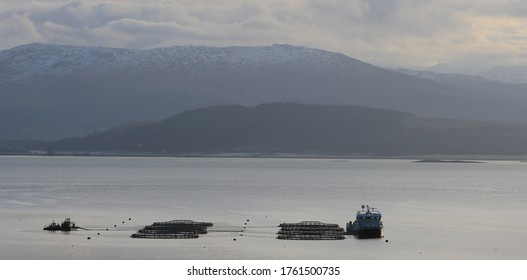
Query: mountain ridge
point(306, 129)
point(47, 55)
point(50, 92)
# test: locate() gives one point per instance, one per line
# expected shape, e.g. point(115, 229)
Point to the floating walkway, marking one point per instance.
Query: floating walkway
point(310, 230)
point(175, 229)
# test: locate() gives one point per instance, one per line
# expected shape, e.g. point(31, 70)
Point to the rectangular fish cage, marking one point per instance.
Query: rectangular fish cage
point(175, 229)
point(310, 230)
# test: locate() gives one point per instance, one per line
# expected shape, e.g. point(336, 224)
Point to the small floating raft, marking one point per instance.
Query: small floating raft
point(310, 230)
point(175, 229)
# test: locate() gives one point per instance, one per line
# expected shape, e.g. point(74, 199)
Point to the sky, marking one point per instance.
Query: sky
point(390, 33)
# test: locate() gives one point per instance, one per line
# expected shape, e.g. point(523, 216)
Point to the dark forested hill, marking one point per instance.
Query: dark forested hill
point(296, 128)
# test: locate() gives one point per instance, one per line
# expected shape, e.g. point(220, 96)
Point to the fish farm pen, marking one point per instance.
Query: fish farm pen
point(310, 230)
point(176, 229)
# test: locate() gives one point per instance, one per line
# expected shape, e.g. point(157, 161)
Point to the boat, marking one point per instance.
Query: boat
point(67, 225)
point(367, 224)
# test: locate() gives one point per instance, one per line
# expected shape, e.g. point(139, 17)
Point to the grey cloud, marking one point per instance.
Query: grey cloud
point(16, 29)
point(505, 8)
point(225, 15)
point(380, 10)
point(131, 33)
point(383, 32)
point(75, 15)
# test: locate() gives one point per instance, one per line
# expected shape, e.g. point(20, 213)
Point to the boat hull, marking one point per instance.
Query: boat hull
point(368, 233)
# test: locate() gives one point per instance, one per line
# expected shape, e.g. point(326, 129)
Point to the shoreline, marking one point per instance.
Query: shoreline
point(416, 158)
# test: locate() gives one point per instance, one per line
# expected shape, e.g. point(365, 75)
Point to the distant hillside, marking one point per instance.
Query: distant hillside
point(512, 74)
point(485, 87)
point(56, 91)
point(295, 128)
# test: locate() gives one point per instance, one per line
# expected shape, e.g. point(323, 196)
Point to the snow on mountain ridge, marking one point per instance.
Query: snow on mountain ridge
point(43, 60)
point(506, 74)
point(442, 77)
point(511, 74)
point(46, 60)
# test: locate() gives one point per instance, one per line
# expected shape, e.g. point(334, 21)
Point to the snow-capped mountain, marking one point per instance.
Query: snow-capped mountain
point(484, 86)
point(513, 74)
point(35, 61)
point(510, 74)
point(54, 91)
point(40, 61)
point(446, 78)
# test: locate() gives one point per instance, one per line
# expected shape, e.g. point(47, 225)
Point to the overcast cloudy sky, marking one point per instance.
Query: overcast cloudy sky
point(382, 32)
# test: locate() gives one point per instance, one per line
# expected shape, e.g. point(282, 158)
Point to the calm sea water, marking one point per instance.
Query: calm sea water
point(430, 210)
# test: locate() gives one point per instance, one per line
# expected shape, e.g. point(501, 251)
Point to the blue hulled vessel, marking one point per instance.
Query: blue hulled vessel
point(367, 224)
